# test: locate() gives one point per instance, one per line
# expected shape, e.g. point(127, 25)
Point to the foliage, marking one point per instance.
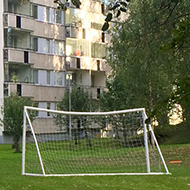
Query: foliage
point(145, 63)
point(140, 77)
point(80, 102)
point(115, 9)
point(64, 5)
point(12, 112)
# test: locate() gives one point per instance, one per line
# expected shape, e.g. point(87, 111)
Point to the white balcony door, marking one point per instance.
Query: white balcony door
point(42, 77)
point(41, 13)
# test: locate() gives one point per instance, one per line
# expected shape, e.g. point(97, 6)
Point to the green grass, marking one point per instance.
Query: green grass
point(11, 178)
point(58, 158)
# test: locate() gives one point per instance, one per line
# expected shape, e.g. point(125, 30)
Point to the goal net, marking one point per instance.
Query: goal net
point(61, 143)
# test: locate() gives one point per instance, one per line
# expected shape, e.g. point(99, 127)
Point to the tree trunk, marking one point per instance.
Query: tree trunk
point(16, 146)
point(16, 143)
point(151, 109)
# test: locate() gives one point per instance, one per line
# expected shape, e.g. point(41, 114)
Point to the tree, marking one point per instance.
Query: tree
point(149, 58)
point(140, 76)
point(12, 121)
point(80, 102)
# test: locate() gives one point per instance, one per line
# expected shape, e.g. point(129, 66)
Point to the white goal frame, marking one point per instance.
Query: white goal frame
point(27, 123)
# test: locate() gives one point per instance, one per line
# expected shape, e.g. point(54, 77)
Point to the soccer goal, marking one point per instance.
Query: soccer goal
point(62, 143)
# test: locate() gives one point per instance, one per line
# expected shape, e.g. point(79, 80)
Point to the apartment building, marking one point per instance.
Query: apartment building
point(40, 45)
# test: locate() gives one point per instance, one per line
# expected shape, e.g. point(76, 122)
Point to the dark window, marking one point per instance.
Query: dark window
point(83, 33)
point(98, 65)
point(98, 92)
point(78, 63)
point(103, 37)
point(18, 21)
point(25, 56)
point(19, 89)
point(102, 8)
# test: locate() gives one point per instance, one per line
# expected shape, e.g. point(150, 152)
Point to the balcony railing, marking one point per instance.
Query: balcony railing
point(37, 92)
point(17, 21)
point(12, 6)
point(18, 56)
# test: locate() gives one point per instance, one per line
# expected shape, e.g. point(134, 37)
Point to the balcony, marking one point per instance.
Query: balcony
point(51, 62)
point(37, 92)
point(72, 32)
point(18, 56)
point(17, 7)
point(17, 39)
point(95, 91)
point(86, 63)
point(18, 22)
point(73, 63)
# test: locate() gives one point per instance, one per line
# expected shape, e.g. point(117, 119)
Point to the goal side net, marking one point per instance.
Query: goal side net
point(62, 143)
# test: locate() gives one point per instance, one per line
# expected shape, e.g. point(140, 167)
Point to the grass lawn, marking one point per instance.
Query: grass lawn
point(11, 178)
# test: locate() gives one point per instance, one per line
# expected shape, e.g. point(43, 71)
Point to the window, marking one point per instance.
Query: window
point(98, 92)
point(48, 77)
point(58, 78)
point(45, 105)
point(58, 47)
point(58, 17)
point(98, 65)
point(19, 89)
point(96, 26)
point(52, 78)
point(52, 15)
point(18, 21)
point(103, 37)
point(41, 45)
point(11, 7)
point(47, 14)
point(35, 11)
point(10, 38)
point(78, 63)
point(102, 8)
point(83, 33)
point(42, 77)
point(26, 57)
point(41, 13)
point(47, 46)
point(35, 76)
point(98, 50)
point(35, 44)
point(42, 105)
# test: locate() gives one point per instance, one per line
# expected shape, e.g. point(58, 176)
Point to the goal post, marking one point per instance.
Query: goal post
point(63, 143)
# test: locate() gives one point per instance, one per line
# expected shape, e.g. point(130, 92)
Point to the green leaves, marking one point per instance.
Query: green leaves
point(13, 115)
point(114, 11)
point(105, 26)
point(77, 3)
point(109, 17)
point(63, 5)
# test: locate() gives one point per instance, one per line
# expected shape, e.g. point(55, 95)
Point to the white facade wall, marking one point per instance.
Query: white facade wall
point(43, 76)
point(1, 64)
